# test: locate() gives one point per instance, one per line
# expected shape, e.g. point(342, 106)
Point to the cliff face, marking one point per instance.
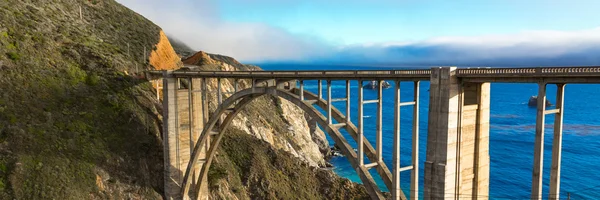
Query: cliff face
point(163, 57)
point(272, 149)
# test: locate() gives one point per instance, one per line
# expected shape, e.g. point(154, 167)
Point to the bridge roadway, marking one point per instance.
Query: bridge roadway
point(457, 158)
point(487, 74)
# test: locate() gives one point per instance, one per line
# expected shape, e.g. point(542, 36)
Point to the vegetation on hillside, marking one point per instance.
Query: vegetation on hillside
point(73, 123)
point(254, 170)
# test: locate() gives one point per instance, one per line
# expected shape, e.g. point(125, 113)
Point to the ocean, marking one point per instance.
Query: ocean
point(512, 134)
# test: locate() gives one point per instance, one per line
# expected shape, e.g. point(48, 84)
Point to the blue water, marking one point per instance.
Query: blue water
point(512, 135)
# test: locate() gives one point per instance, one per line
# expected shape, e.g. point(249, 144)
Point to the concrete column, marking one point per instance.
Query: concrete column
point(329, 120)
point(182, 124)
point(170, 127)
point(302, 90)
point(197, 124)
point(379, 127)
point(347, 101)
point(396, 191)
point(414, 176)
point(190, 126)
point(235, 85)
point(204, 101)
point(320, 89)
point(361, 158)
point(538, 156)
point(219, 92)
point(191, 123)
point(557, 144)
point(481, 166)
point(457, 162)
point(253, 84)
point(191, 114)
point(219, 99)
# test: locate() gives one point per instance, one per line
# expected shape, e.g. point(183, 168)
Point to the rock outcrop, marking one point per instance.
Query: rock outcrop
point(163, 57)
point(372, 85)
point(533, 102)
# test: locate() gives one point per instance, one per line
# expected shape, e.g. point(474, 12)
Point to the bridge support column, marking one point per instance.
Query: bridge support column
point(457, 160)
point(183, 123)
point(557, 144)
point(538, 153)
point(347, 101)
point(320, 88)
point(360, 145)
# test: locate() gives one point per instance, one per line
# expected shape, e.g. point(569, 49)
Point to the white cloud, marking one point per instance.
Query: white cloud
point(198, 24)
point(524, 48)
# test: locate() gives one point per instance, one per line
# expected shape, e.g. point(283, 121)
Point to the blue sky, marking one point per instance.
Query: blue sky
point(355, 22)
point(409, 32)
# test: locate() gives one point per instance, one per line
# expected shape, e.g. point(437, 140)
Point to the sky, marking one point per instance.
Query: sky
point(401, 32)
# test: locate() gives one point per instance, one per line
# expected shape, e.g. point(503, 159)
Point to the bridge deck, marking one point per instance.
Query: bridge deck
point(531, 74)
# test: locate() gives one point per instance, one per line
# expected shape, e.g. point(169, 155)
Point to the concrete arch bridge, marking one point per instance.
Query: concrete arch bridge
point(457, 154)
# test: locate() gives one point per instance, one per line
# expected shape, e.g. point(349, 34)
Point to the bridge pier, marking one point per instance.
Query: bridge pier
point(183, 122)
point(457, 159)
point(538, 161)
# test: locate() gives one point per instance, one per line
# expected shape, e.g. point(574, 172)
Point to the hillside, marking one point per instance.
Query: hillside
point(74, 121)
point(78, 122)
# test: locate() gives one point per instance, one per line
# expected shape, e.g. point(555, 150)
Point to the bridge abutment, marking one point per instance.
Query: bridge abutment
point(457, 159)
point(184, 119)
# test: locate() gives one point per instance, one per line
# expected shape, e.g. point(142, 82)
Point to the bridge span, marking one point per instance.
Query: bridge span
point(457, 160)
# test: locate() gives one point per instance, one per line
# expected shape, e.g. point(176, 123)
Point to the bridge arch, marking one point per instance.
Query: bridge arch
point(246, 96)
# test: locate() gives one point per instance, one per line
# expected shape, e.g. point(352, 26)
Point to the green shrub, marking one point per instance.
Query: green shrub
point(13, 56)
point(216, 173)
point(2, 185)
point(92, 79)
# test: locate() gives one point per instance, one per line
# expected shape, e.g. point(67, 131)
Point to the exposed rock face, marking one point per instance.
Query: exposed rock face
point(164, 57)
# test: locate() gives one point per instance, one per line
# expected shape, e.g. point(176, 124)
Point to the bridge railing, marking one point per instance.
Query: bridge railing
point(374, 74)
point(307, 74)
point(529, 72)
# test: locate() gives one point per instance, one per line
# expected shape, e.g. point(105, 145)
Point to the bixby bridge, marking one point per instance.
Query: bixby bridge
point(457, 160)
